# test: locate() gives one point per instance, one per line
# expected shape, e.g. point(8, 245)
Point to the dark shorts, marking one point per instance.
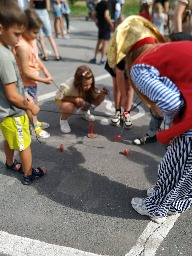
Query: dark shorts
point(104, 34)
point(112, 72)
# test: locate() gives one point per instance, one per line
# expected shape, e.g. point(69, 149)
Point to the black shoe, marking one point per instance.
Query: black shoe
point(146, 139)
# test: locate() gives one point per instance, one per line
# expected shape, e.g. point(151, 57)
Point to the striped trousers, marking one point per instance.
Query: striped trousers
point(173, 190)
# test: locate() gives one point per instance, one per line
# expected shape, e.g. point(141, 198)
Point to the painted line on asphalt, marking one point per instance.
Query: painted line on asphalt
point(152, 237)
point(21, 246)
point(147, 244)
point(52, 94)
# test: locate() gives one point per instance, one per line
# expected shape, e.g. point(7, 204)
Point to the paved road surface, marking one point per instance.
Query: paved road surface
point(82, 206)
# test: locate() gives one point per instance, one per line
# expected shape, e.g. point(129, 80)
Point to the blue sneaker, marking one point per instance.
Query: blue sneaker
point(93, 61)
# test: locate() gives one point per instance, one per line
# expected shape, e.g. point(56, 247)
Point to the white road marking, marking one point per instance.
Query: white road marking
point(152, 237)
point(147, 244)
point(21, 246)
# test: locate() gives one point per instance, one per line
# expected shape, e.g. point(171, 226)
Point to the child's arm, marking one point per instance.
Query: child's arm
point(48, 5)
point(108, 19)
point(18, 100)
point(100, 97)
point(43, 69)
point(23, 56)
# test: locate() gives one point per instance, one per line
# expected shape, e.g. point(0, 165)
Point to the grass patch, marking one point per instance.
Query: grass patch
point(131, 7)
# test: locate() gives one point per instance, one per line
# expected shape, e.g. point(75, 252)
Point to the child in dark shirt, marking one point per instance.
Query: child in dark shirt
point(104, 23)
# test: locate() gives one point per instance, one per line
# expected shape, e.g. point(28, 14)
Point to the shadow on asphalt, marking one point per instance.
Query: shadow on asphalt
point(70, 184)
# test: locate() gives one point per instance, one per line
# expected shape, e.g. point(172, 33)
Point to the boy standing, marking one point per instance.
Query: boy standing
point(26, 54)
point(103, 21)
point(14, 122)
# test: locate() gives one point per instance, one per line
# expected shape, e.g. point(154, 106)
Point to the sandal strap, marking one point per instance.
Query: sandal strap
point(38, 172)
point(28, 179)
point(11, 167)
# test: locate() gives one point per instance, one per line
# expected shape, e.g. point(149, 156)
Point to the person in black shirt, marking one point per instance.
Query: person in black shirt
point(104, 23)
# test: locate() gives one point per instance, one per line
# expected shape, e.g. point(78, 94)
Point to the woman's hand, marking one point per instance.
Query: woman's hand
point(157, 110)
point(105, 91)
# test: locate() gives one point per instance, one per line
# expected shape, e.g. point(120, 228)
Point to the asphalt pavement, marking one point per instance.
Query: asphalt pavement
point(82, 206)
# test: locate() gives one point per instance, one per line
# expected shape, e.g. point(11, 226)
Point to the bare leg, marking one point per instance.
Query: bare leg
point(53, 45)
point(67, 109)
point(42, 43)
point(104, 48)
point(97, 47)
point(9, 153)
point(116, 94)
point(130, 94)
point(26, 160)
point(61, 21)
point(56, 26)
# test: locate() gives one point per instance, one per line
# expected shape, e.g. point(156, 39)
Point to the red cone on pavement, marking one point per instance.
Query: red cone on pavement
point(117, 138)
point(126, 152)
point(91, 134)
point(61, 148)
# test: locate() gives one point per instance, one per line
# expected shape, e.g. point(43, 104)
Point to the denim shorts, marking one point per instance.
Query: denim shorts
point(56, 9)
point(44, 16)
point(32, 91)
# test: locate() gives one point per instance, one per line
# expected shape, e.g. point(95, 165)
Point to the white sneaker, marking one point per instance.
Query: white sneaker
point(86, 115)
point(41, 133)
point(150, 191)
point(64, 126)
point(127, 120)
point(115, 120)
point(139, 206)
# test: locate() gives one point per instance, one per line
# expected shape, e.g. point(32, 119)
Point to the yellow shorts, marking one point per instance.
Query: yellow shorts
point(15, 131)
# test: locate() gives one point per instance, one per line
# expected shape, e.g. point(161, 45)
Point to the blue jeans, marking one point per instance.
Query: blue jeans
point(154, 125)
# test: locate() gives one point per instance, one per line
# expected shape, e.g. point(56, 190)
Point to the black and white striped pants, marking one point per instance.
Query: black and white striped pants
point(173, 190)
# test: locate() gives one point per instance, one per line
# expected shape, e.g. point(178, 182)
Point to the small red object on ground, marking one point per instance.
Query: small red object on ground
point(117, 138)
point(61, 149)
point(126, 152)
point(91, 133)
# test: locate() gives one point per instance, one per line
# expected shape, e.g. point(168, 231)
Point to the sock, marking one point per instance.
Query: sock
point(35, 126)
point(38, 130)
point(39, 124)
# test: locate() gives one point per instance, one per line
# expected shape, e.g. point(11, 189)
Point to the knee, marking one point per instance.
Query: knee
point(67, 107)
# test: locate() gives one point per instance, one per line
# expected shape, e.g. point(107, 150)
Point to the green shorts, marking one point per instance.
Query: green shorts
point(15, 131)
